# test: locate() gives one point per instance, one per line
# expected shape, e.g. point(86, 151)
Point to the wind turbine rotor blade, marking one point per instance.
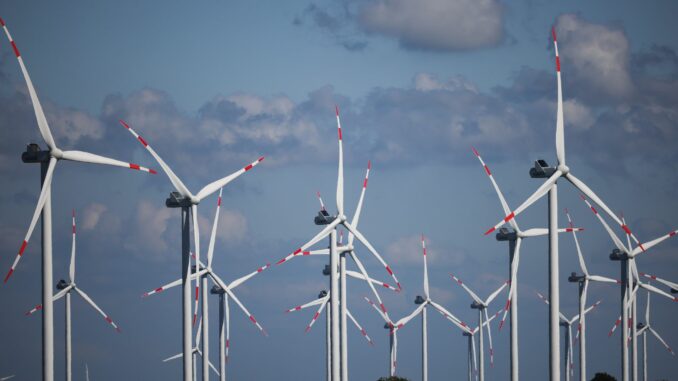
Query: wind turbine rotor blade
point(560, 128)
point(657, 291)
point(359, 208)
point(320, 199)
point(402, 322)
point(47, 184)
point(90, 158)
point(340, 175)
point(379, 310)
point(449, 316)
point(56, 297)
point(177, 356)
point(241, 280)
point(594, 305)
point(590, 194)
point(213, 368)
point(228, 325)
point(37, 107)
point(361, 329)
point(514, 273)
point(502, 200)
point(173, 178)
point(539, 232)
point(309, 304)
point(322, 234)
point(99, 310)
point(495, 293)
point(357, 275)
point(668, 348)
point(598, 278)
point(323, 304)
point(218, 184)
point(71, 267)
point(196, 243)
point(654, 242)
point(468, 290)
point(647, 310)
point(539, 193)
point(580, 256)
point(423, 249)
point(372, 250)
point(614, 327)
point(237, 301)
point(173, 284)
point(213, 235)
point(660, 280)
point(489, 336)
point(617, 242)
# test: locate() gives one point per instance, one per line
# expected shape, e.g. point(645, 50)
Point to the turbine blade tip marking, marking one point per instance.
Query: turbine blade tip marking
point(490, 231)
point(16, 50)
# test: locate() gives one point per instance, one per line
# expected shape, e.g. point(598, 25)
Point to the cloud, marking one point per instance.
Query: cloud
point(148, 236)
point(408, 251)
point(595, 58)
point(437, 25)
point(92, 215)
point(232, 228)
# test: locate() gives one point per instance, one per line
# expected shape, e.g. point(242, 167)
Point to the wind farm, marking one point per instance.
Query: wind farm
point(400, 97)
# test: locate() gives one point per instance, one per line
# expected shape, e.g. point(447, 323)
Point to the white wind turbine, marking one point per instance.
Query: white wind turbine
point(65, 290)
point(338, 262)
point(567, 325)
point(196, 351)
point(186, 200)
point(643, 328)
point(481, 305)
point(515, 239)
point(423, 303)
point(202, 273)
point(48, 161)
point(583, 281)
point(541, 170)
point(630, 281)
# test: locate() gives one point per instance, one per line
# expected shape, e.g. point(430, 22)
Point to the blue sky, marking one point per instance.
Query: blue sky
point(214, 86)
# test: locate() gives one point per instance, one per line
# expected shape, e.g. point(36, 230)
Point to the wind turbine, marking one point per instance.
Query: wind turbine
point(423, 303)
point(186, 200)
point(196, 351)
point(643, 328)
point(542, 170)
point(338, 262)
point(567, 325)
point(48, 161)
point(630, 281)
point(583, 281)
point(673, 287)
point(65, 290)
point(202, 273)
point(514, 239)
point(481, 305)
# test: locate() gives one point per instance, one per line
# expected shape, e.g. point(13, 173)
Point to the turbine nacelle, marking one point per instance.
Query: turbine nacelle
point(323, 218)
point(574, 278)
point(216, 290)
point(506, 234)
point(541, 170)
point(34, 154)
point(177, 200)
point(322, 294)
point(62, 284)
point(419, 300)
point(618, 255)
point(477, 306)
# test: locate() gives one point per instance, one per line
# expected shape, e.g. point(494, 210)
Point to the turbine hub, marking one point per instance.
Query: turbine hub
point(564, 169)
point(56, 153)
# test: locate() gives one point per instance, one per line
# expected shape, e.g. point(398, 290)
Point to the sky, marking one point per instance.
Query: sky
point(213, 86)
